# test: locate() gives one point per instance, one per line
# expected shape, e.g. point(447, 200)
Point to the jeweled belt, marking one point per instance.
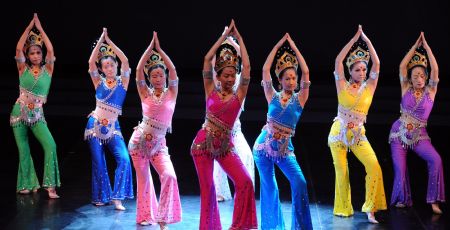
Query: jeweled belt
point(30, 100)
point(278, 131)
point(105, 114)
point(215, 126)
point(410, 122)
point(350, 118)
point(151, 128)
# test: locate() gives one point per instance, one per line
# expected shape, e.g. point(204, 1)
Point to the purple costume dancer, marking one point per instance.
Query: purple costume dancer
point(409, 131)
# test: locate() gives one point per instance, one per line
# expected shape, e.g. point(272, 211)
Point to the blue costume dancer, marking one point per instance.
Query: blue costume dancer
point(274, 144)
point(103, 130)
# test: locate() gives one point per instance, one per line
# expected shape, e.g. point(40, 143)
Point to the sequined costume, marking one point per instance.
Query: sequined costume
point(348, 133)
point(214, 142)
point(103, 131)
point(274, 147)
point(245, 154)
point(148, 145)
point(409, 133)
point(28, 113)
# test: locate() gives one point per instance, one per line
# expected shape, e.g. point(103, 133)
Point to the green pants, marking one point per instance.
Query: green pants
point(26, 177)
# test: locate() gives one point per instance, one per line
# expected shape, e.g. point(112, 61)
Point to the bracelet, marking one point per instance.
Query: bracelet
point(207, 74)
point(305, 84)
point(266, 84)
point(94, 73)
point(373, 75)
point(173, 83)
point(50, 60)
point(20, 59)
point(245, 80)
point(432, 83)
point(403, 79)
point(126, 73)
point(141, 82)
point(337, 77)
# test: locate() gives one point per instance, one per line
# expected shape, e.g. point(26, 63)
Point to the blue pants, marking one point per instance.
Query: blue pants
point(271, 215)
point(123, 179)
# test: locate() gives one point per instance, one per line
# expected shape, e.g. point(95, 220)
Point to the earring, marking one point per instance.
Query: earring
point(297, 87)
point(279, 87)
point(219, 85)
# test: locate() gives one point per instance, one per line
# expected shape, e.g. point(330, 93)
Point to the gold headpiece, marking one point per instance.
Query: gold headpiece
point(33, 39)
point(227, 56)
point(105, 50)
point(287, 60)
point(359, 54)
point(155, 59)
point(418, 59)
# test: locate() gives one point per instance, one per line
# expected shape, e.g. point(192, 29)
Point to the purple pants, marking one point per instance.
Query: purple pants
point(401, 192)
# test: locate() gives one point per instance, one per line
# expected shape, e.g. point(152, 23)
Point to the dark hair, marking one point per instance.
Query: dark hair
point(408, 75)
point(283, 71)
point(166, 71)
point(27, 60)
point(221, 70)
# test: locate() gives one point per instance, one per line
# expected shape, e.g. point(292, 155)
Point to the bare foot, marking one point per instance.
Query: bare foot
point(52, 192)
point(436, 209)
point(400, 205)
point(144, 223)
point(118, 204)
point(220, 198)
point(24, 191)
point(371, 218)
point(163, 226)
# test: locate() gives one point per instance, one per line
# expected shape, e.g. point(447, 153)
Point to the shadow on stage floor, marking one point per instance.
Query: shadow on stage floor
point(74, 211)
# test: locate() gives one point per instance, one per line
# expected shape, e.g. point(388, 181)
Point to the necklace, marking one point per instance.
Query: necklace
point(110, 82)
point(285, 96)
point(35, 71)
point(157, 97)
point(223, 93)
point(418, 94)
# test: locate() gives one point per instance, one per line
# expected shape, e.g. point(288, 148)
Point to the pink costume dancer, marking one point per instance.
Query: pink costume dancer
point(214, 141)
point(148, 143)
point(240, 145)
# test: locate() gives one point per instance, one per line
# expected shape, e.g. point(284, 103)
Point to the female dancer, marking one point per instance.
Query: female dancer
point(240, 145)
point(348, 132)
point(214, 141)
point(27, 113)
point(103, 130)
point(409, 132)
point(148, 142)
point(274, 144)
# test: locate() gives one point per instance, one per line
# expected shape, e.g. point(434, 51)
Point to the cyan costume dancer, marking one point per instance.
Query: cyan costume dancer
point(409, 131)
point(240, 145)
point(214, 140)
point(348, 132)
point(28, 113)
point(148, 143)
point(274, 145)
point(103, 130)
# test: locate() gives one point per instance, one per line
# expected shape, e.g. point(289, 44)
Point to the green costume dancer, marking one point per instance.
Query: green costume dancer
point(27, 113)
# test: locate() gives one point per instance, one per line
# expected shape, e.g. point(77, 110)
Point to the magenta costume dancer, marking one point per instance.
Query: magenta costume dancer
point(148, 143)
point(409, 131)
point(214, 141)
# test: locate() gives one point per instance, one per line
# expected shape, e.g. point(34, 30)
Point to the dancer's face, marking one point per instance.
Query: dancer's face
point(227, 78)
point(157, 78)
point(289, 79)
point(418, 77)
point(109, 67)
point(358, 71)
point(35, 55)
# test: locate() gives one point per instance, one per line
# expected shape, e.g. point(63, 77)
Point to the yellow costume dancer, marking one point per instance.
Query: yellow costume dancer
point(348, 132)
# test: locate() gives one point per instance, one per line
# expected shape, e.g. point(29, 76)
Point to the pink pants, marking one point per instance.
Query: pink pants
point(244, 214)
point(169, 208)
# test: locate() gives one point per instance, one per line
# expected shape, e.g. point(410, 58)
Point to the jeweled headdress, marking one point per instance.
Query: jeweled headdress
point(418, 59)
point(105, 50)
point(34, 39)
point(285, 59)
point(155, 59)
point(227, 56)
point(359, 54)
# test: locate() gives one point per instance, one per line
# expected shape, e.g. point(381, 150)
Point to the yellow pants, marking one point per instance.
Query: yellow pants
point(375, 198)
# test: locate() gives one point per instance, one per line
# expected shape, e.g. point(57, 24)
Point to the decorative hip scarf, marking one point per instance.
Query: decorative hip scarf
point(276, 141)
point(349, 120)
point(410, 131)
point(218, 137)
point(152, 133)
point(105, 118)
point(31, 110)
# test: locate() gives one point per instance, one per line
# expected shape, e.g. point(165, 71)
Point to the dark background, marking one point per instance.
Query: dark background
point(186, 31)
